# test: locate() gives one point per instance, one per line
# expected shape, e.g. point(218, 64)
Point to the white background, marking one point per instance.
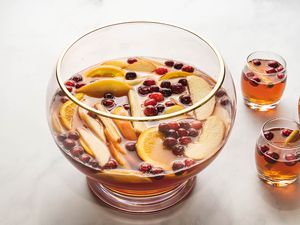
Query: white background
point(38, 186)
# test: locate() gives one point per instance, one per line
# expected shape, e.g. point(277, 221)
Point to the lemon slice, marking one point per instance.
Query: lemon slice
point(293, 137)
point(173, 108)
point(105, 71)
point(67, 111)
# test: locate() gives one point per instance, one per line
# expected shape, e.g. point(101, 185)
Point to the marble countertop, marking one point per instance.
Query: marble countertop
point(38, 186)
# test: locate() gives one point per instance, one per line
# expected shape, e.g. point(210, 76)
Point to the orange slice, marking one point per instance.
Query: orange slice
point(67, 111)
point(174, 74)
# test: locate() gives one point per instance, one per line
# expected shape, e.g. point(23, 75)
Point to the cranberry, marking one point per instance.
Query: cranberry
point(169, 103)
point(189, 162)
point(108, 102)
point(185, 140)
point(62, 137)
point(130, 76)
point(185, 99)
point(130, 146)
point(156, 171)
point(161, 70)
point(169, 63)
point(273, 64)
point(111, 164)
point(172, 133)
point(126, 106)
point(270, 70)
point(143, 90)
point(150, 110)
point(70, 83)
point(166, 92)
point(69, 143)
point(270, 85)
point(193, 132)
point(64, 99)
point(178, 165)
point(182, 132)
point(131, 60)
point(163, 127)
point(178, 150)
point(160, 108)
point(249, 74)
point(85, 158)
point(77, 78)
point(280, 75)
point(271, 157)
point(174, 125)
point(165, 84)
point(61, 93)
point(256, 62)
point(286, 132)
point(108, 95)
point(77, 151)
point(268, 135)
point(70, 89)
point(92, 114)
point(145, 167)
point(157, 96)
point(184, 124)
point(170, 142)
point(280, 68)
point(188, 69)
point(79, 85)
point(150, 102)
point(291, 159)
point(177, 88)
point(255, 81)
point(224, 101)
point(178, 66)
point(196, 124)
point(183, 82)
point(154, 88)
point(94, 163)
point(73, 135)
point(149, 82)
point(263, 149)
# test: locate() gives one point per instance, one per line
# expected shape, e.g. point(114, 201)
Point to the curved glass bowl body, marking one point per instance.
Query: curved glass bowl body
point(144, 39)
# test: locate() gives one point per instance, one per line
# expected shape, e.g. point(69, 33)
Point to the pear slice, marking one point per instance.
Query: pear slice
point(175, 74)
point(136, 111)
point(173, 108)
point(223, 114)
point(293, 137)
point(98, 88)
point(105, 71)
point(210, 140)
point(57, 127)
point(141, 66)
point(92, 124)
point(99, 149)
point(117, 63)
point(199, 88)
point(109, 124)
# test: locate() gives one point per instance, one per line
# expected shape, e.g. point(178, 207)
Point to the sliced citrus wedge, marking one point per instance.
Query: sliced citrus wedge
point(293, 137)
point(105, 71)
point(150, 149)
point(67, 110)
point(117, 63)
point(209, 141)
point(141, 66)
point(125, 176)
point(199, 88)
point(98, 88)
point(173, 108)
point(174, 74)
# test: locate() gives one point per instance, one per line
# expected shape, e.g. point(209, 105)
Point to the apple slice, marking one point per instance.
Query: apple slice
point(154, 62)
point(175, 74)
point(109, 124)
point(92, 124)
point(141, 66)
point(136, 111)
point(210, 140)
point(223, 114)
point(98, 88)
point(99, 149)
point(173, 108)
point(125, 176)
point(116, 144)
point(117, 63)
point(199, 88)
point(57, 127)
point(105, 71)
point(118, 156)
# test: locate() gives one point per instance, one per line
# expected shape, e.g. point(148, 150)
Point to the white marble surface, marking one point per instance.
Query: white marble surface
point(38, 186)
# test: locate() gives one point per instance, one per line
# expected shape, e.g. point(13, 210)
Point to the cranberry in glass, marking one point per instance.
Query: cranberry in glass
point(178, 165)
point(291, 159)
point(111, 164)
point(77, 78)
point(185, 140)
point(286, 132)
point(184, 124)
point(77, 151)
point(154, 88)
point(108, 102)
point(169, 103)
point(169, 142)
point(177, 88)
point(165, 84)
point(130, 76)
point(150, 101)
point(160, 108)
point(69, 143)
point(185, 99)
point(145, 167)
point(271, 157)
point(174, 125)
point(268, 135)
point(188, 69)
point(85, 158)
point(169, 63)
point(182, 132)
point(149, 82)
point(163, 127)
point(150, 110)
point(172, 133)
point(166, 92)
point(178, 66)
point(73, 135)
point(196, 124)
point(143, 90)
point(161, 71)
point(183, 82)
point(178, 150)
point(131, 60)
point(193, 132)
point(189, 162)
point(131, 146)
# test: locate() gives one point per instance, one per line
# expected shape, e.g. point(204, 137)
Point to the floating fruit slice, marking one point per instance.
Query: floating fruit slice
point(154, 62)
point(94, 144)
point(125, 127)
point(141, 66)
point(92, 124)
point(57, 127)
point(117, 63)
point(105, 71)
point(199, 88)
point(125, 176)
point(98, 88)
point(223, 114)
point(209, 141)
point(109, 124)
point(136, 111)
point(67, 110)
point(173, 108)
point(118, 156)
point(116, 144)
point(150, 149)
point(86, 147)
point(135, 82)
point(293, 137)
point(174, 74)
